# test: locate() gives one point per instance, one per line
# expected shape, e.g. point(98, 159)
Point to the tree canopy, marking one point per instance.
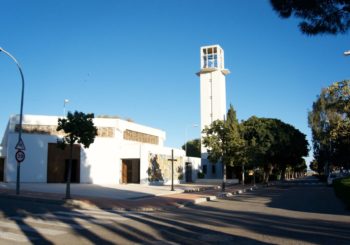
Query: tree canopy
point(193, 148)
point(329, 121)
point(266, 143)
point(318, 16)
point(78, 128)
point(223, 140)
point(274, 144)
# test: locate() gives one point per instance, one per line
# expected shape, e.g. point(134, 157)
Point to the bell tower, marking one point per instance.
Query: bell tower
point(212, 86)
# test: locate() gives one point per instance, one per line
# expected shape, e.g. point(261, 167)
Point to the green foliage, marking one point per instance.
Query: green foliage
point(271, 143)
point(329, 121)
point(78, 128)
point(342, 189)
point(193, 148)
point(319, 16)
point(200, 175)
point(266, 143)
point(314, 166)
point(223, 140)
point(180, 171)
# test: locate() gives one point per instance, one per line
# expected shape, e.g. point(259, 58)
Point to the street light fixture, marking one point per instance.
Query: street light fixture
point(66, 101)
point(346, 53)
point(20, 145)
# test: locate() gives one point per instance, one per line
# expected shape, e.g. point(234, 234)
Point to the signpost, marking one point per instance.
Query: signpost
point(20, 145)
point(20, 156)
point(172, 169)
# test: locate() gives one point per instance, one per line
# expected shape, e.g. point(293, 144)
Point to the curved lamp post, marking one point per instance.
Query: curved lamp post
point(20, 145)
point(65, 102)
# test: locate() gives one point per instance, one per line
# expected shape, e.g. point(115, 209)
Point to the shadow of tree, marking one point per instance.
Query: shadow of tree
point(220, 222)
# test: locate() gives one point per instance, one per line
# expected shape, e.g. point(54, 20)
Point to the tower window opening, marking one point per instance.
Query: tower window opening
point(210, 57)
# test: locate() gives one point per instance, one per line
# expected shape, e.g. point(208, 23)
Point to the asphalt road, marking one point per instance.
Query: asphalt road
point(302, 212)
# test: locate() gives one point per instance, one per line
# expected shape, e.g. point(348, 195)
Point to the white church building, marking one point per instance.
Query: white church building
point(123, 151)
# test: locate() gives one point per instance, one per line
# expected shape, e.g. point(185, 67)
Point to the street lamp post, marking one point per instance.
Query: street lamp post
point(66, 101)
point(20, 145)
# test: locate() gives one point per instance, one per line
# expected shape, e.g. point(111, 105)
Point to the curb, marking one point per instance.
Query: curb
point(86, 204)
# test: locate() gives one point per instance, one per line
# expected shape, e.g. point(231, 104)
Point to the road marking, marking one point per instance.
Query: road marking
point(24, 227)
point(49, 222)
point(90, 216)
point(16, 237)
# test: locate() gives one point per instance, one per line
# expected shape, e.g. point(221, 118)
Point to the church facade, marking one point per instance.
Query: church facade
point(123, 152)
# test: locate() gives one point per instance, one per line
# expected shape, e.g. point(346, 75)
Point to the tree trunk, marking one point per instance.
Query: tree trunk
point(223, 177)
point(267, 171)
point(242, 173)
point(283, 173)
point(69, 173)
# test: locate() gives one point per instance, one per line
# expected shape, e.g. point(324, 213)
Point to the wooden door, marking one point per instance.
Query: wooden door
point(124, 172)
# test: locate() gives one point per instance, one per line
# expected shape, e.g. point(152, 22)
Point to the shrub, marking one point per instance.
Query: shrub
point(342, 189)
point(200, 175)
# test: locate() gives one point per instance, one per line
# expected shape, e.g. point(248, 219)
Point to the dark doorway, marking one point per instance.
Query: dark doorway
point(130, 171)
point(2, 161)
point(57, 164)
point(230, 172)
point(188, 172)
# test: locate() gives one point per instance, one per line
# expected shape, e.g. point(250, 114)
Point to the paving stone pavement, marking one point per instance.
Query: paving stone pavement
point(142, 203)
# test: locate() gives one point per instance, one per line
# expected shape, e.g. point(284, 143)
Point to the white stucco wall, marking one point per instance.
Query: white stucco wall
point(196, 166)
point(34, 167)
point(212, 98)
point(100, 163)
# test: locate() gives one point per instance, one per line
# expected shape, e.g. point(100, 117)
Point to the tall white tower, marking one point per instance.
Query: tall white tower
point(212, 86)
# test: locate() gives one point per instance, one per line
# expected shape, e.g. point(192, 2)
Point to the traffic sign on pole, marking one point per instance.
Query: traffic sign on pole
point(20, 156)
point(20, 145)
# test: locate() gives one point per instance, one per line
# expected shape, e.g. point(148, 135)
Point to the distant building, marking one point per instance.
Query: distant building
point(123, 152)
point(212, 97)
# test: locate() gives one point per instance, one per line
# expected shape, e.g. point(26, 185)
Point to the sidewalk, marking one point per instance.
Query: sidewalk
point(159, 200)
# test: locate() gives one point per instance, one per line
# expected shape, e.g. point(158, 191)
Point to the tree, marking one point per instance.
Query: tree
point(238, 148)
point(78, 127)
point(273, 144)
point(222, 138)
point(259, 139)
point(290, 147)
point(193, 148)
point(329, 121)
point(314, 166)
point(318, 16)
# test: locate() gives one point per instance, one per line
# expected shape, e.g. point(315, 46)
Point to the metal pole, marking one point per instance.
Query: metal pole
point(172, 170)
point(223, 185)
point(66, 101)
point(20, 116)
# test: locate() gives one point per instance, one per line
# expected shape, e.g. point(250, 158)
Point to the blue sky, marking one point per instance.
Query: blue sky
point(138, 59)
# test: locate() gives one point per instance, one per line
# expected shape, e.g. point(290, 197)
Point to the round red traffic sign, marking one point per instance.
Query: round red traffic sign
point(20, 156)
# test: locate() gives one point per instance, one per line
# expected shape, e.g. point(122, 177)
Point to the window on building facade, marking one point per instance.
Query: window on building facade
point(213, 169)
point(204, 169)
